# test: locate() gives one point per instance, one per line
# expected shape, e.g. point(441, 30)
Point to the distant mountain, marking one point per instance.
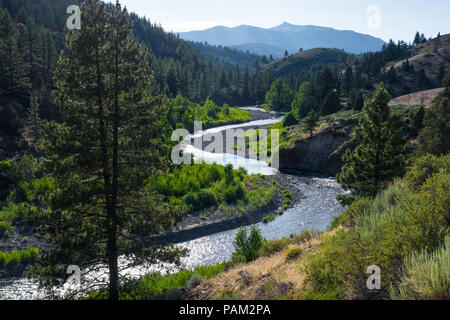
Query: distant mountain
point(261, 49)
point(285, 37)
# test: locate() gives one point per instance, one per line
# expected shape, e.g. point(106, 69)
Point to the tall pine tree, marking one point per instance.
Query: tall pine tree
point(380, 153)
point(103, 153)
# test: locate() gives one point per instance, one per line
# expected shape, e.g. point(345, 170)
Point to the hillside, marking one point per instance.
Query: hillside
point(286, 37)
point(225, 56)
point(305, 60)
point(261, 49)
point(433, 57)
point(419, 98)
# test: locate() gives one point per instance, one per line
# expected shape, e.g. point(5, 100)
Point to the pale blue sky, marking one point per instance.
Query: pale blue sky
point(399, 19)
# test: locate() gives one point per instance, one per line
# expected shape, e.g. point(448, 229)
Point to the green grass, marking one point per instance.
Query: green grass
point(268, 218)
point(272, 247)
point(426, 276)
point(156, 284)
point(14, 257)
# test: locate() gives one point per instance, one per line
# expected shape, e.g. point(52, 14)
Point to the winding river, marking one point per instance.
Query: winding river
point(314, 212)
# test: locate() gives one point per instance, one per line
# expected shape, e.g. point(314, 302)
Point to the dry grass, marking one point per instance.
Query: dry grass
point(419, 98)
point(247, 280)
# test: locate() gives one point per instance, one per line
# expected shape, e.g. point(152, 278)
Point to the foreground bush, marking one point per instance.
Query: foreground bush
point(426, 276)
point(397, 223)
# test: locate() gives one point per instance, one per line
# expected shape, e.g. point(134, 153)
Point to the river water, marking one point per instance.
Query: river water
point(314, 212)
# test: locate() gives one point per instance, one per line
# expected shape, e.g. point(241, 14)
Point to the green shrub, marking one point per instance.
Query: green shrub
point(192, 202)
point(275, 246)
point(247, 244)
point(207, 198)
point(423, 168)
point(289, 120)
point(5, 228)
point(14, 257)
point(395, 224)
point(426, 276)
point(234, 192)
point(293, 254)
point(268, 218)
point(287, 194)
point(155, 285)
point(347, 218)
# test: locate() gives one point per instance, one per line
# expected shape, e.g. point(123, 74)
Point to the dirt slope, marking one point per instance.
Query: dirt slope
point(419, 98)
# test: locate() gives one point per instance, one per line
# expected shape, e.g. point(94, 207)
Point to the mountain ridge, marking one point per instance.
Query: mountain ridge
point(285, 36)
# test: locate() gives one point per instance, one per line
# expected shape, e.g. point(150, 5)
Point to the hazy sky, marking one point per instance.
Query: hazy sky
point(398, 19)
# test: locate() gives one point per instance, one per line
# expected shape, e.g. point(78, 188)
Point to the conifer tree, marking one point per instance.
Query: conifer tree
point(13, 64)
point(103, 153)
point(435, 136)
point(359, 102)
point(380, 153)
point(300, 107)
point(331, 104)
point(34, 119)
point(311, 122)
point(347, 81)
point(392, 76)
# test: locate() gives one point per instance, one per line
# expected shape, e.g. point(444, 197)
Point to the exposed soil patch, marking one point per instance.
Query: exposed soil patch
point(419, 98)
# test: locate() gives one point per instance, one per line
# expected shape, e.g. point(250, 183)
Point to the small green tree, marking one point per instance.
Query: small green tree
point(247, 245)
point(359, 102)
point(280, 96)
point(392, 76)
point(34, 119)
point(331, 104)
point(289, 120)
point(380, 153)
point(10, 121)
point(304, 101)
point(311, 122)
point(348, 81)
point(435, 136)
point(446, 83)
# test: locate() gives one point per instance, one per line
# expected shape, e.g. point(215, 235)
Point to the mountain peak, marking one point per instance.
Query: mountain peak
point(284, 26)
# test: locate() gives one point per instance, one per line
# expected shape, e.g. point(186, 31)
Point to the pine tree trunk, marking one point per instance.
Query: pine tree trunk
point(111, 203)
point(114, 272)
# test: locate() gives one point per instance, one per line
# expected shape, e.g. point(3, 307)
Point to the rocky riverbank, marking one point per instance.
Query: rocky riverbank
point(321, 153)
